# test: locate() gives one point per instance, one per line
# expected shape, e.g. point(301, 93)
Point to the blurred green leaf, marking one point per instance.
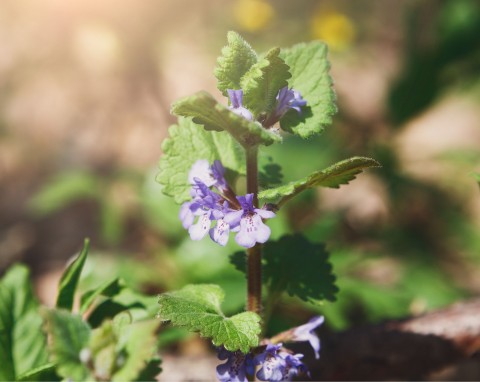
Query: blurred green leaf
point(236, 59)
point(69, 335)
point(151, 371)
point(111, 221)
point(140, 346)
point(42, 373)
point(213, 116)
point(63, 190)
point(187, 143)
point(309, 67)
point(270, 175)
point(262, 82)
point(334, 176)
point(107, 289)
point(197, 308)
point(69, 280)
point(22, 344)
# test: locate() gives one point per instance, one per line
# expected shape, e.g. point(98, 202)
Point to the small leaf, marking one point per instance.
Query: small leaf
point(69, 280)
point(309, 67)
point(107, 289)
point(187, 143)
point(22, 344)
point(197, 308)
point(270, 175)
point(236, 59)
point(206, 111)
point(262, 82)
point(334, 176)
point(140, 345)
point(69, 335)
point(151, 370)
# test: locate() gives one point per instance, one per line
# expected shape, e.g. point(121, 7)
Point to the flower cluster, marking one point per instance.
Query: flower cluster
point(286, 99)
point(232, 213)
point(274, 362)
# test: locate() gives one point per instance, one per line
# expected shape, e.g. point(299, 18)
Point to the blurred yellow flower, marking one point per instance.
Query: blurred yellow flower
point(253, 15)
point(333, 27)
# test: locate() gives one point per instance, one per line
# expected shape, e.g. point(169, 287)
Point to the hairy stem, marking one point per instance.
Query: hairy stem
point(254, 254)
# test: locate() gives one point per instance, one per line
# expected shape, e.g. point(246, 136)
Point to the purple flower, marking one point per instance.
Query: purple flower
point(205, 205)
point(289, 99)
point(278, 365)
point(220, 233)
point(236, 99)
point(236, 368)
point(248, 222)
point(208, 175)
point(306, 333)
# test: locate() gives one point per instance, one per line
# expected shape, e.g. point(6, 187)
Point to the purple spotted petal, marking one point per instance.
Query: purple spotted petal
point(198, 230)
point(220, 232)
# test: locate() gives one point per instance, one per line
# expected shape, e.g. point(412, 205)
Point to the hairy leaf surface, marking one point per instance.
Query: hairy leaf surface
point(197, 308)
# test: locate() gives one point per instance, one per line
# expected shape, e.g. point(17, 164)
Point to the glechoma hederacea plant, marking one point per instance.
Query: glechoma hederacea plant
point(213, 145)
point(111, 334)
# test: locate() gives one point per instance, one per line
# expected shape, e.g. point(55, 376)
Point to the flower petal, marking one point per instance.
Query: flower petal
point(261, 230)
point(198, 230)
point(220, 232)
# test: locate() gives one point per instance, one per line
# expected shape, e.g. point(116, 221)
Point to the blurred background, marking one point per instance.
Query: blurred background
point(85, 92)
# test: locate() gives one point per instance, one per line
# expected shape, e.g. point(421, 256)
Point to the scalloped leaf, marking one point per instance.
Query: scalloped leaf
point(187, 143)
point(309, 67)
point(334, 176)
point(212, 115)
point(197, 308)
point(236, 59)
point(262, 82)
point(296, 266)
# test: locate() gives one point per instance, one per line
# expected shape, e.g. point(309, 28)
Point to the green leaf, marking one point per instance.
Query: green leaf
point(262, 82)
point(140, 345)
point(69, 335)
point(107, 289)
point(295, 265)
point(299, 267)
point(309, 67)
point(42, 373)
point(69, 280)
point(213, 116)
point(151, 370)
point(236, 59)
point(334, 176)
point(22, 344)
point(197, 308)
point(187, 143)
